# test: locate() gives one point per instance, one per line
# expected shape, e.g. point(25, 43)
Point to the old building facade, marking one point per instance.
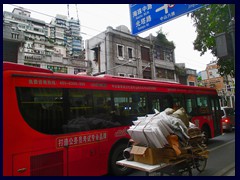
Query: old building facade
point(117, 52)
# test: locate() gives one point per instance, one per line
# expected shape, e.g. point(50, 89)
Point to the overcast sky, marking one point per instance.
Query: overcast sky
point(95, 18)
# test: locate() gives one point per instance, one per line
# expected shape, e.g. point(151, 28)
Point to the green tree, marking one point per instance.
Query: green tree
point(199, 81)
point(162, 39)
point(209, 21)
point(180, 71)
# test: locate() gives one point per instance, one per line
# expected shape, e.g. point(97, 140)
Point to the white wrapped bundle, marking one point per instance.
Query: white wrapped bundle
point(136, 133)
point(176, 124)
point(163, 126)
point(150, 131)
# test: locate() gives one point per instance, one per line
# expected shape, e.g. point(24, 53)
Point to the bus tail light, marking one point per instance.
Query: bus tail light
point(50, 164)
point(225, 120)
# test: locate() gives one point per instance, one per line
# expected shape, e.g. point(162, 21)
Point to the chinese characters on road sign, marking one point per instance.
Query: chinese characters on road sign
point(146, 16)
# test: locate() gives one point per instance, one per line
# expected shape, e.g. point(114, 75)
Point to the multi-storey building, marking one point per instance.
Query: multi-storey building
point(191, 77)
point(46, 45)
point(185, 75)
point(67, 34)
point(75, 38)
point(34, 32)
point(225, 86)
point(117, 52)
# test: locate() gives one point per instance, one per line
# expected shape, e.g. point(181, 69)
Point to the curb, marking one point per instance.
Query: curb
point(225, 170)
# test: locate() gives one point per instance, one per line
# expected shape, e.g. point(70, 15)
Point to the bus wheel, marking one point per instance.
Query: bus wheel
point(117, 155)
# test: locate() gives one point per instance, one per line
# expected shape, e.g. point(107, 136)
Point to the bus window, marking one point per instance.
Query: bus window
point(138, 103)
point(166, 101)
point(191, 105)
point(42, 108)
point(80, 107)
point(90, 110)
point(203, 105)
point(178, 101)
point(128, 106)
point(153, 103)
point(102, 104)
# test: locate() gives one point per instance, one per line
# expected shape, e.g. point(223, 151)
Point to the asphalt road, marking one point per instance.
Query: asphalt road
point(222, 155)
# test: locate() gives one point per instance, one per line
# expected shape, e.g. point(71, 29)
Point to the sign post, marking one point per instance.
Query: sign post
point(146, 16)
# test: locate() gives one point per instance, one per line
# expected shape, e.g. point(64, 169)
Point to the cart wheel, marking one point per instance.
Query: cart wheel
point(186, 173)
point(201, 164)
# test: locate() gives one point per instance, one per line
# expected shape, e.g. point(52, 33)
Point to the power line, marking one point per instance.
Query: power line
point(51, 16)
point(60, 18)
point(68, 14)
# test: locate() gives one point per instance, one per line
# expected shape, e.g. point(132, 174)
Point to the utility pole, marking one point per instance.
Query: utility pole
point(231, 30)
point(99, 63)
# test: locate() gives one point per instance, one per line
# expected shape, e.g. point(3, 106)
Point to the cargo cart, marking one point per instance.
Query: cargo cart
point(181, 167)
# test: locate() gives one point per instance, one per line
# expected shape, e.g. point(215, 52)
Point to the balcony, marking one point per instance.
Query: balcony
point(12, 34)
point(12, 39)
point(78, 62)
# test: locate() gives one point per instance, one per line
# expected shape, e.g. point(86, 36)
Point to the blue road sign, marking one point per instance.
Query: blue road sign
point(146, 16)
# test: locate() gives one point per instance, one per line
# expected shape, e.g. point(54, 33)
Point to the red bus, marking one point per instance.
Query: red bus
point(58, 124)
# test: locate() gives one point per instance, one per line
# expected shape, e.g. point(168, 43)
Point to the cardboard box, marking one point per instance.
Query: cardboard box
point(167, 152)
point(146, 155)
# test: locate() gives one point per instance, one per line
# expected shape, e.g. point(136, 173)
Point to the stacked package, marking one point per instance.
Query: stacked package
point(152, 130)
point(165, 137)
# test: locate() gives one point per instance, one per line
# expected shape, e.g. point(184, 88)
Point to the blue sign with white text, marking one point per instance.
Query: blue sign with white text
point(146, 16)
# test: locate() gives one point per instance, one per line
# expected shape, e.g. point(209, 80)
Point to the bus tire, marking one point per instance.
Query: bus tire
point(116, 155)
point(206, 132)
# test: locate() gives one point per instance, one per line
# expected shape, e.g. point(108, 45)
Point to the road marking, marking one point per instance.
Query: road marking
point(213, 149)
point(224, 171)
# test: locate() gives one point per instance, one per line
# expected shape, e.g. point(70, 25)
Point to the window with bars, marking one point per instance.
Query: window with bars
point(145, 53)
point(120, 51)
point(130, 52)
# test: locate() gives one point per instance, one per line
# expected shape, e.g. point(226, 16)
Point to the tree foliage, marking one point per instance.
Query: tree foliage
point(210, 21)
point(180, 71)
point(162, 39)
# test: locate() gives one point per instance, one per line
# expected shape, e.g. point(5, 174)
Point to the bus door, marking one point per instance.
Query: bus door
point(83, 160)
point(91, 113)
point(86, 136)
point(216, 115)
